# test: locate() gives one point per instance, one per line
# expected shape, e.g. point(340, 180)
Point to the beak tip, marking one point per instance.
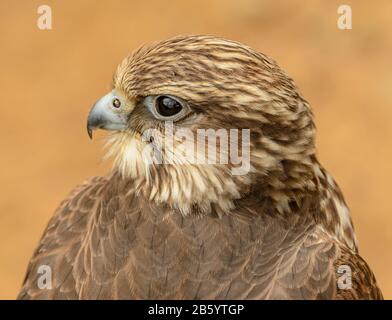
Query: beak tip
point(90, 132)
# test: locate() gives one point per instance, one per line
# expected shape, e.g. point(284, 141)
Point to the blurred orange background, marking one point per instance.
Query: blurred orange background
point(49, 79)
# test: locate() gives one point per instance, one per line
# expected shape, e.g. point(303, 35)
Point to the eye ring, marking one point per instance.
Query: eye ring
point(167, 107)
point(116, 103)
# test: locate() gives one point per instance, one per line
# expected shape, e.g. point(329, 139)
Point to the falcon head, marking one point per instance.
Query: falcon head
point(165, 94)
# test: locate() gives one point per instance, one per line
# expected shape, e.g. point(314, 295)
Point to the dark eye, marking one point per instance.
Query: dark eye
point(116, 103)
point(167, 106)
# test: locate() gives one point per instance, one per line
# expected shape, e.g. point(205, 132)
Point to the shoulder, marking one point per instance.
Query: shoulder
point(62, 238)
point(355, 279)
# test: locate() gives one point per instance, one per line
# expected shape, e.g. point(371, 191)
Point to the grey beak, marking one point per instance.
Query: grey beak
point(104, 115)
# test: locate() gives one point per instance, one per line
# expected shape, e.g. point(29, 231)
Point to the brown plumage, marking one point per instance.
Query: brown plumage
point(197, 231)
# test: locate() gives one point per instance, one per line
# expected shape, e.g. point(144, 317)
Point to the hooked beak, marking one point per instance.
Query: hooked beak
point(107, 114)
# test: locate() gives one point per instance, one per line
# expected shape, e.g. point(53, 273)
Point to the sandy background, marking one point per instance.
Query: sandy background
point(49, 80)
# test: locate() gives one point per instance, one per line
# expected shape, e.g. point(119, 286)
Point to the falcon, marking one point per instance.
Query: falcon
point(180, 228)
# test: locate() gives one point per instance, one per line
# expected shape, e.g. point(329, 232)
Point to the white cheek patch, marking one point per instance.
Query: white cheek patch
point(127, 151)
point(132, 160)
point(181, 186)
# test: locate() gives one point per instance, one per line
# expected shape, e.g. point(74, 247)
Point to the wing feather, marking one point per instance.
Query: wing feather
point(104, 242)
point(60, 245)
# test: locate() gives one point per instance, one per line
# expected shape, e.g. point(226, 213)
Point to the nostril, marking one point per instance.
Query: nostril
point(116, 103)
